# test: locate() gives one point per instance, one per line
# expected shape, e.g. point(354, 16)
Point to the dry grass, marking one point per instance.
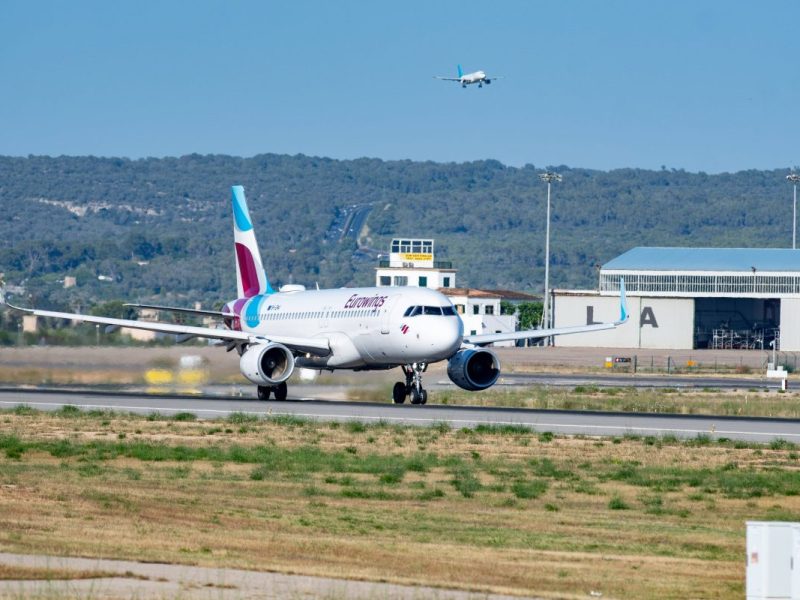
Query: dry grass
point(503, 509)
point(744, 402)
point(21, 573)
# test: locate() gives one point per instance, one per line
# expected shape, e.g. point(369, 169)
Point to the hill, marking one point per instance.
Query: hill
point(161, 227)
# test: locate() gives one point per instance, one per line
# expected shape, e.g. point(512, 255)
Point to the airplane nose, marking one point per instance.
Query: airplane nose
point(446, 336)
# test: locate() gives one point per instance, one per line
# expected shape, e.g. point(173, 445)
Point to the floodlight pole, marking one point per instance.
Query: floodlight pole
point(793, 178)
point(548, 177)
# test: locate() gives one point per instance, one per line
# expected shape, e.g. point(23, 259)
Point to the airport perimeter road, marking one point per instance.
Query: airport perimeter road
point(564, 422)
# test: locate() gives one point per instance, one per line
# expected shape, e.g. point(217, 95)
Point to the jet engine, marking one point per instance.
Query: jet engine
point(267, 364)
point(473, 370)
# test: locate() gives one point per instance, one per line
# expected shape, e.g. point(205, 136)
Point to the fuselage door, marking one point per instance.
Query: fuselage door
point(386, 313)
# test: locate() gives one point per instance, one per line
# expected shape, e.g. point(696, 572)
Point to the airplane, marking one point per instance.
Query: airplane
point(478, 77)
point(357, 329)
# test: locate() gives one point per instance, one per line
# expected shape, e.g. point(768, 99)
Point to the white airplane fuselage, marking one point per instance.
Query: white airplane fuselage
point(476, 77)
point(366, 327)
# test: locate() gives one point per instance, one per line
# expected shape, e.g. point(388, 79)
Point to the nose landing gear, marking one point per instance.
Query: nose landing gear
point(412, 386)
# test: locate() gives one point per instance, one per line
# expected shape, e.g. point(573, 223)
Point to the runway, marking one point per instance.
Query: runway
point(750, 429)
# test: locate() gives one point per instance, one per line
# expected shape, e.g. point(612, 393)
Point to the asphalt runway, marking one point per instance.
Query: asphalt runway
point(562, 422)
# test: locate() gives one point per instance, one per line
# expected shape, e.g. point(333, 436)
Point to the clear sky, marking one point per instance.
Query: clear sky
point(702, 85)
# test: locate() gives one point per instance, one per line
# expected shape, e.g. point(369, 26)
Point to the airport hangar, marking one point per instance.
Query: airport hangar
point(687, 298)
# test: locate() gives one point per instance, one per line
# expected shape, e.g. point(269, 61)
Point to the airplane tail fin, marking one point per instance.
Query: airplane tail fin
point(460, 72)
point(251, 279)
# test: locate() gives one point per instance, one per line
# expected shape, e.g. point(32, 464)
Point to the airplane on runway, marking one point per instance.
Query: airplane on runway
point(466, 79)
point(348, 328)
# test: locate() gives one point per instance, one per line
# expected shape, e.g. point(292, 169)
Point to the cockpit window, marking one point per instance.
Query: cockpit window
point(413, 311)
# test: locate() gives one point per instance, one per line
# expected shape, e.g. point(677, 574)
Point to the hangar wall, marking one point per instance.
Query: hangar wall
point(666, 323)
point(790, 324)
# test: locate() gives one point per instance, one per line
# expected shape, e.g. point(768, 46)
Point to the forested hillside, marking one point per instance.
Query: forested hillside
point(161, 228)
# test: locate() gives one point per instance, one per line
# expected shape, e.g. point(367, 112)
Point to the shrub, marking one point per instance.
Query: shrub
point(617, 503)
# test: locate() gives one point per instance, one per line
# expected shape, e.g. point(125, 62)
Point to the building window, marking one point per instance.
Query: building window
point(460, 309)
point(385, 280)
point(423, 281)
point(489, 309)
point(446, 282)
point(473, 332)
point(476, 309)
point(400, 280)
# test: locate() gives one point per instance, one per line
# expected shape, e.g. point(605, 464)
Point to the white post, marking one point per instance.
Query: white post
point(548, 177)
point(546, 308)
point(793, 178)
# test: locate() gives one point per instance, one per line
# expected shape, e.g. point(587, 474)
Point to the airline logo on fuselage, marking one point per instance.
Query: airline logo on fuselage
point(357, 301)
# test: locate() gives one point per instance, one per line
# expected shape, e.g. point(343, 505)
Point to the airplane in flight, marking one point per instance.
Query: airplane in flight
point(466, 79)
point(348, 328)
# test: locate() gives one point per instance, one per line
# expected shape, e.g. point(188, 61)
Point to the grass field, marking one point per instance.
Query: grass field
point(496, 508)
point(745, 402)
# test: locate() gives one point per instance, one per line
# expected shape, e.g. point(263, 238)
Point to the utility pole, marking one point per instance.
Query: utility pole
point(549, 177)
point(793, 178)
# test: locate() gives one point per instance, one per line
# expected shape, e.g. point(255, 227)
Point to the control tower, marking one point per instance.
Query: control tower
point(411, 263)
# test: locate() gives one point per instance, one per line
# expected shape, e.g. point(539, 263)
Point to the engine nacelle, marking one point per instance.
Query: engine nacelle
point(473, 370)
point(267, 364)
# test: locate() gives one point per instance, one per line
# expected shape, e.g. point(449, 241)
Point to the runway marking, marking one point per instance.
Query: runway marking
point(269, 412)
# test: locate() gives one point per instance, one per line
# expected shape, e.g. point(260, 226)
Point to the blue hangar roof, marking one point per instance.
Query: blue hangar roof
point(706, 259)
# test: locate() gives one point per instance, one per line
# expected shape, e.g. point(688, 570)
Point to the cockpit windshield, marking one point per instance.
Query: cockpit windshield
point(413, 311)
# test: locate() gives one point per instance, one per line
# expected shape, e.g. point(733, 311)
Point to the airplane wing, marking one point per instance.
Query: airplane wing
point(189, 311)
point(447, 78)
point(316, 346)
point(488, 338)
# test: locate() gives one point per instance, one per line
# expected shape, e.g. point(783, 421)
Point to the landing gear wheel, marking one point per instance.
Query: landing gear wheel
point(413, 386)
point(399, 392)
point(416, 396)
point(281, 391)
point(263, 392)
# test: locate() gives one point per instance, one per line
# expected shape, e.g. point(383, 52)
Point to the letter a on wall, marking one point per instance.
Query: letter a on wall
point(648, 317)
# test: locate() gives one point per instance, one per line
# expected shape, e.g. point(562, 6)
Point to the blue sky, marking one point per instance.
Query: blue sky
point(706, 86)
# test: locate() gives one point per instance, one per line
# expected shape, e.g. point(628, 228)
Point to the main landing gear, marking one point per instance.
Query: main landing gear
point(413, 385)
point(279, 390)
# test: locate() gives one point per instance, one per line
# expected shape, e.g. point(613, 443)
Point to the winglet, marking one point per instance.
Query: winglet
point(460, 72)
point(623, 303)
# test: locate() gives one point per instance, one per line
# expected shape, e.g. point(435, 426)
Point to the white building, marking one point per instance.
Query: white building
point(411, 262)
point(685, 298)
point(480, 310)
